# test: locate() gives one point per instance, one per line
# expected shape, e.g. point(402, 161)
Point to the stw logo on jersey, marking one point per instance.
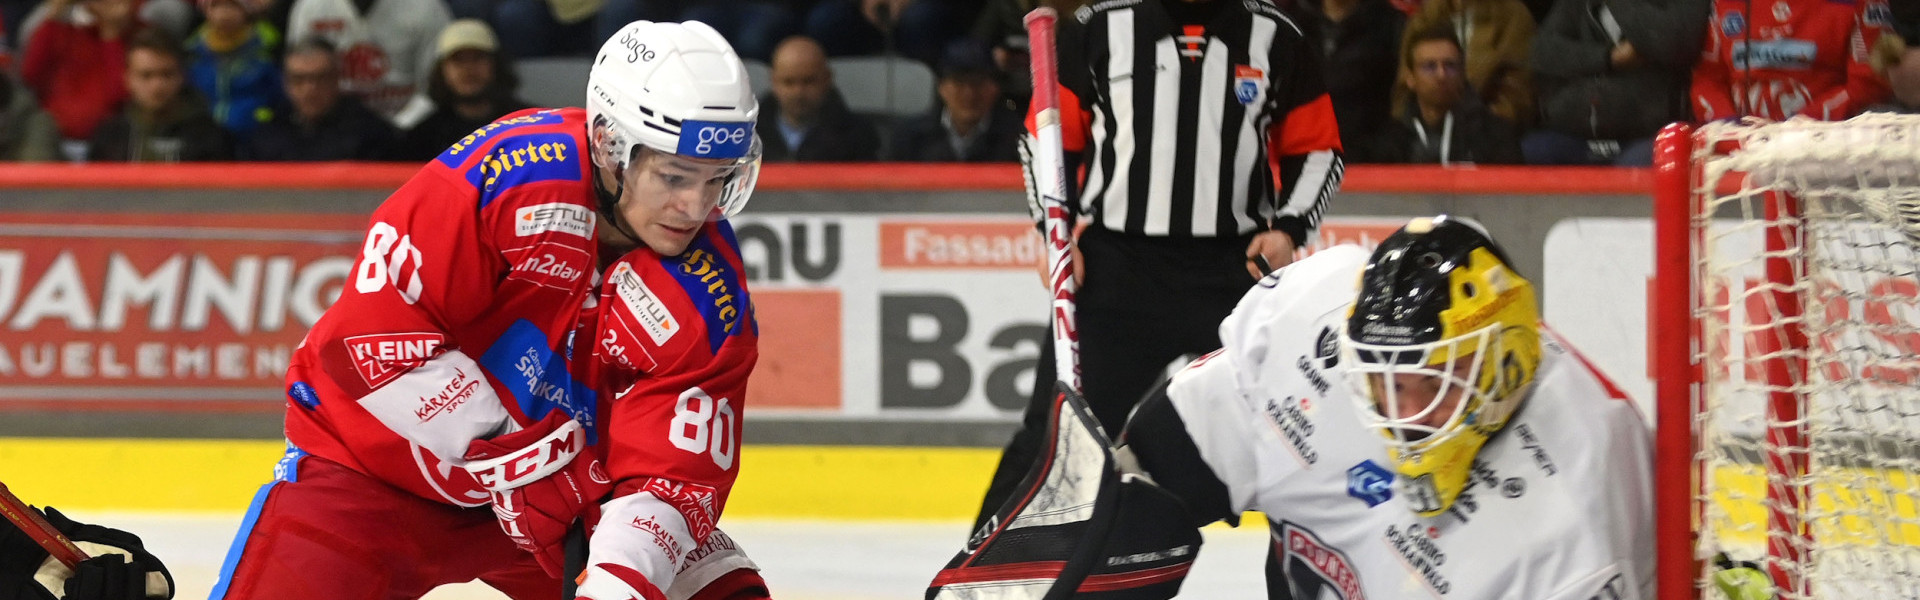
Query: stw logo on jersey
point(644, 304)
point(554, 217)
point(381, 357)
point(1313, 567)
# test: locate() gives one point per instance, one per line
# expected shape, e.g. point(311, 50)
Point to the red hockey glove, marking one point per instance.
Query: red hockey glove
point(538, 489)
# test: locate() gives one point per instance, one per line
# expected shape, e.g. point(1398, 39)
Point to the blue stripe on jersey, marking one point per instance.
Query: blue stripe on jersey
point(713, 284)
point(460, 151)
point(537, 376)
point(525, 159)
point(285, 471)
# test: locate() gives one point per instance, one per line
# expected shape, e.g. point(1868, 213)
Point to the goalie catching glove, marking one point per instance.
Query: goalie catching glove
point(540, 484)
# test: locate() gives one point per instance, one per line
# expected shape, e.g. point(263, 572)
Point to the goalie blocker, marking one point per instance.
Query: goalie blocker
point(1087, 521)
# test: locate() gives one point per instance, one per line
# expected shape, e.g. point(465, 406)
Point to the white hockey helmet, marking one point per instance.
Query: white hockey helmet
point(676, 88)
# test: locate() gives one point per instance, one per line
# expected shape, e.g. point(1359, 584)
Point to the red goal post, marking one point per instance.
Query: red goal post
point(1786, 355)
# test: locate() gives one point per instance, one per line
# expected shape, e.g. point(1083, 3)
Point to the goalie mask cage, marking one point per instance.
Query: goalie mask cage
point(1786, 355)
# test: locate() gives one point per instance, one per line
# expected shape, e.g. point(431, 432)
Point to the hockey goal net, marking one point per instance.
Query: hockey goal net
point(1786, 355)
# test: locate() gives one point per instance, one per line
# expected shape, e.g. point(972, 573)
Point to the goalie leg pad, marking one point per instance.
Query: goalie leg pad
point(1077, 528)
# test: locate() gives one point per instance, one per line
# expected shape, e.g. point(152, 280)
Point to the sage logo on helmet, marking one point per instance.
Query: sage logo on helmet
point(675, 88)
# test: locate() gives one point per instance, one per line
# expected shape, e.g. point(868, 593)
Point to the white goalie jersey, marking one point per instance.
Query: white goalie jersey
point(1558, 507)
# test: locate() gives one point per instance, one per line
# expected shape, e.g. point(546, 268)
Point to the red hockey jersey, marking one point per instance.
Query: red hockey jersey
point(676, 341)
point(1789, 57)
point(458, 320)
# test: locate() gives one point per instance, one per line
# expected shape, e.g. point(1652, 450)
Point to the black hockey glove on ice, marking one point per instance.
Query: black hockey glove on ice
point(105, 576)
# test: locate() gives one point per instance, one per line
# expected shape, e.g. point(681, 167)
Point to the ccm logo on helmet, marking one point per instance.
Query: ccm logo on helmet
point(708, 139)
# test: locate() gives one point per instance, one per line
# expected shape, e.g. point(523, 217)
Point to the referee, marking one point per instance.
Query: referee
point(1210, 150)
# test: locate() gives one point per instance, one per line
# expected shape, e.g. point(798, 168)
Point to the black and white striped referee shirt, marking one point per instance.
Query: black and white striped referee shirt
point(1196, 119)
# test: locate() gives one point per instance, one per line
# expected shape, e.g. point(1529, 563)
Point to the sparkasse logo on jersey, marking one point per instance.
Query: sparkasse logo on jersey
point(555, 217)
point(644, 305)
point(381, 357)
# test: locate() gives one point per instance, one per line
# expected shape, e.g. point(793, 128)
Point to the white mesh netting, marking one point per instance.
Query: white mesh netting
point(1822, 324)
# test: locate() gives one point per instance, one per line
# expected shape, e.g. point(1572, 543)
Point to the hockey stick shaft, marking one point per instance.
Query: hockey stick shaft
point(1050, 181)
point(39, 530)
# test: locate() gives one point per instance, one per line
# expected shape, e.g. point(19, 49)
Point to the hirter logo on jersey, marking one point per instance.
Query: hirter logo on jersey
point(644, 304)
point(560, 218)
point(1246, 83)
point(381, 357)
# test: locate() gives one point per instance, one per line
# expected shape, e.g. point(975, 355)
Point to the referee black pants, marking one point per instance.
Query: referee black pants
point(1145, 302)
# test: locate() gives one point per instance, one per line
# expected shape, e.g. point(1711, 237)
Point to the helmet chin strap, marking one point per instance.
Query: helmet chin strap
point(608, 202)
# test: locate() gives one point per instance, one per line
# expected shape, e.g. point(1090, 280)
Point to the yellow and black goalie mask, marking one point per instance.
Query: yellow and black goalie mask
point(1442, 345)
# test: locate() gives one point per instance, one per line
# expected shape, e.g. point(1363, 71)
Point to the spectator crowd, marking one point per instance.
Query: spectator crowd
point(1560, 82)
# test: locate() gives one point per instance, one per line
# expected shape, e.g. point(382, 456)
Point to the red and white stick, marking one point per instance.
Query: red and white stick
point(39, 529)
point(1050, 180)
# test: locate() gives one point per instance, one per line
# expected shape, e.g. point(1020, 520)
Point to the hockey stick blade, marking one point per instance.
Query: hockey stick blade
point(39, 530)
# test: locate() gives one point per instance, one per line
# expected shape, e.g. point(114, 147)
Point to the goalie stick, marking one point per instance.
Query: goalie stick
point(1052, 542)
point(39, 530)
point(1050, 183)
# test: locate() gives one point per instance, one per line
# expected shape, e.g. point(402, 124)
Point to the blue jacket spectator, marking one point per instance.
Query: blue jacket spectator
point(1611, 73)
point(231, 61)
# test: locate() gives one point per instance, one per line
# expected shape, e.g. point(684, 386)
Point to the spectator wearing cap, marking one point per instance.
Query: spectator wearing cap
point(1897, 58)
point(803, 119)
point(77, 65)
point(230, 61)
point(27, 134)
point(163, 120)
point(318, 121)
point(471, 86)
point(972, 124)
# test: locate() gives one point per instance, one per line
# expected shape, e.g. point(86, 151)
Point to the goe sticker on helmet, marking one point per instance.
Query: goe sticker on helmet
point(713, 139)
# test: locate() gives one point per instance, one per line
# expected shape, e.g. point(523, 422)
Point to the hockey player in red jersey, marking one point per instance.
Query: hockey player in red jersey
point(1775, 59)
point(547, 322)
